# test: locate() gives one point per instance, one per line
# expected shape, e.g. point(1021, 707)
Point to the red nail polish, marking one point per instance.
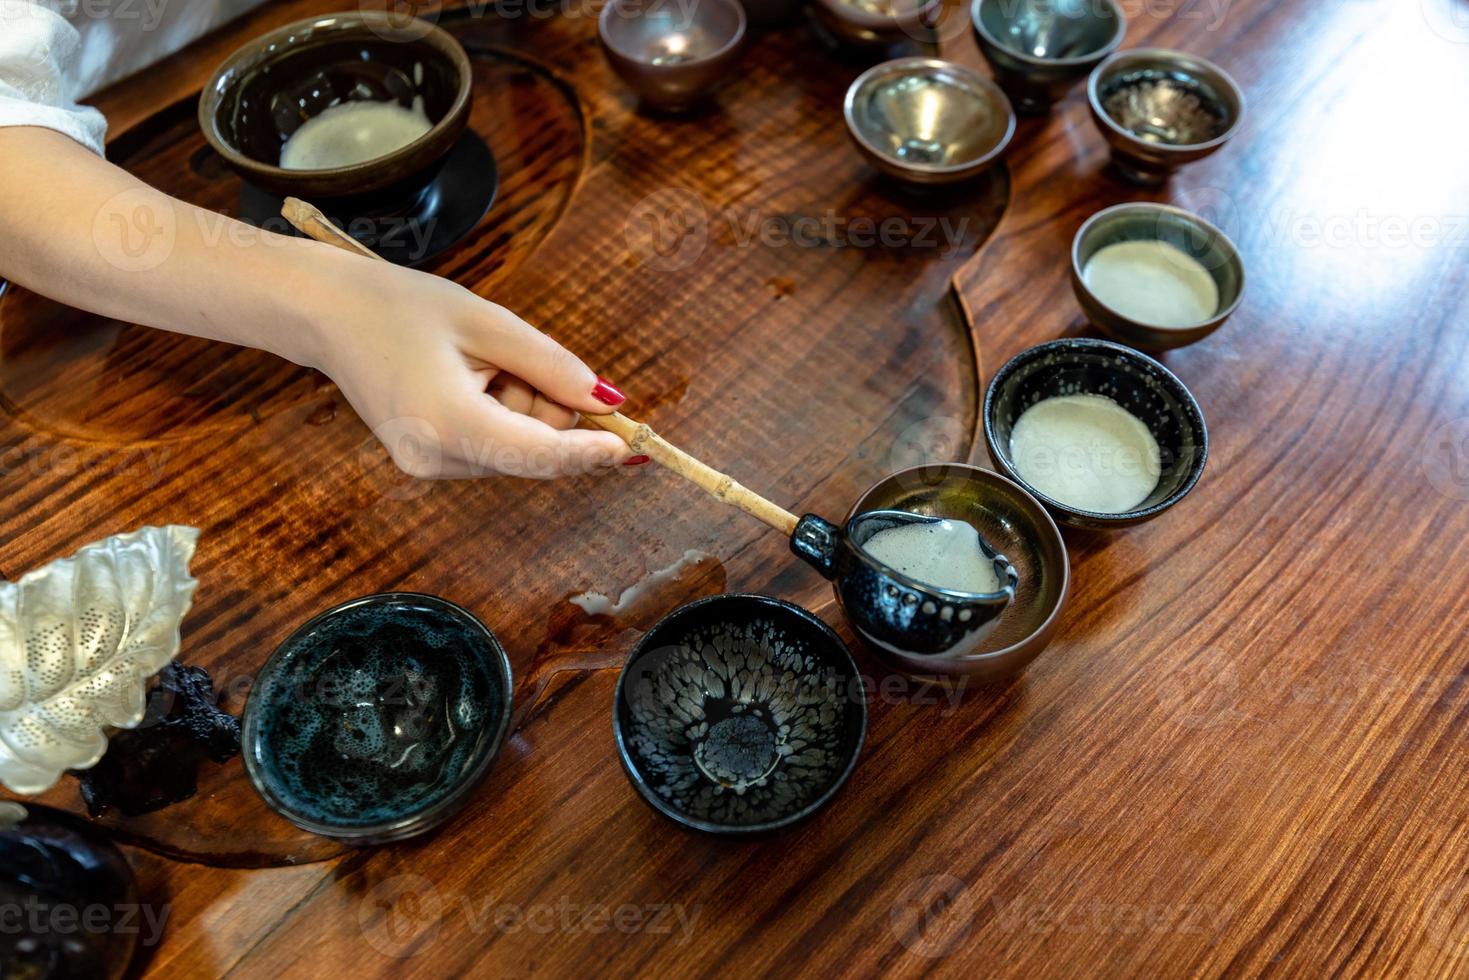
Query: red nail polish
point(637, 460)
point(606, 393)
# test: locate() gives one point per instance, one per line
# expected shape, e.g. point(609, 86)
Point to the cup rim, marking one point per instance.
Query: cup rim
point(862, 18)
point(1174, 56)
point(1104, 52)
point(1001, 454)
point(440, 39)
point(900, 65)
point(708, 826)
point(1050, 523)
point(1214, 232)
point(609, 10)
point(425, 818)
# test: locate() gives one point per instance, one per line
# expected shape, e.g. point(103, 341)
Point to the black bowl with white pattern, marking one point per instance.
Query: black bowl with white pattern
point(1141, 385)
point(739, 714)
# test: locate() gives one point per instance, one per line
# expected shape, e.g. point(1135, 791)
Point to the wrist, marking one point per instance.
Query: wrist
point(317, 283)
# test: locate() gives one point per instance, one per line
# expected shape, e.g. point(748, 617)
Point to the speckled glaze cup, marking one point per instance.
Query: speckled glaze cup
point(1136, 382)
point(377, 719)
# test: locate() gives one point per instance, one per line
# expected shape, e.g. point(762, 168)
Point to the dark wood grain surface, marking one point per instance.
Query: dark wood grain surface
point(1245, 750)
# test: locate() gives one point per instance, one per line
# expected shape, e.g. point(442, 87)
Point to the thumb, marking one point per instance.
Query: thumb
point(515, 346)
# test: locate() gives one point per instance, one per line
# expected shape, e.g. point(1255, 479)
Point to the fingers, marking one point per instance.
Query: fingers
point(518, 396)
point(521, 445)
point(481, 437)
point(501, 338)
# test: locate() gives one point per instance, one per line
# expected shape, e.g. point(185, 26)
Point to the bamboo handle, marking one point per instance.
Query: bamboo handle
point(723, 488)
point(311, 222)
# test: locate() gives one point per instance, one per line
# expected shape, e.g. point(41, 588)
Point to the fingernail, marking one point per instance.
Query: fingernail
point(637, 460)
point(606, 393)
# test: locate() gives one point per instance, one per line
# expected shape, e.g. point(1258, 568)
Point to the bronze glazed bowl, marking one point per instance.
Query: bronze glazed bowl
point(267, 89)
point(870, 25)
point(672, 55)
point(1187, 232)
point(1038, 49)
point(1013, 522)
point(926, 121)
point(1160, 109)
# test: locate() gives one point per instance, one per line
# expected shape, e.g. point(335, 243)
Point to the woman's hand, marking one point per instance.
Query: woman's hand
point(453, 385)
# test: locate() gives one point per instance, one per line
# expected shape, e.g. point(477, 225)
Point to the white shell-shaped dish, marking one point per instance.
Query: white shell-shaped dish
point(79, 639)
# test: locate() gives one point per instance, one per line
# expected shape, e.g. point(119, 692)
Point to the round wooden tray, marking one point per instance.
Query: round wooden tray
point(742, 263)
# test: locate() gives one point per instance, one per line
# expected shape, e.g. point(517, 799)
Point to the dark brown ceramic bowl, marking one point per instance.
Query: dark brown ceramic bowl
point(672, 55)
point(268, 88)
point(864, 24)
point(1012, 522)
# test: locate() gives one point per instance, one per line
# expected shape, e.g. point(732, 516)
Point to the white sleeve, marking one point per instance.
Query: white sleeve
point(39, 53)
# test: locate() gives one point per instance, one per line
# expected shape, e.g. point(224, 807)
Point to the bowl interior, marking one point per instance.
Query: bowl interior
point(929, 114)
point(1134, 381)
point(665, 33)
point(1185, 232)
point(875, 11)
point(1170, 103)
point(1010, 521)
point(1049, 30)
point(739, 714)
point(376, 712)
point(269, 94)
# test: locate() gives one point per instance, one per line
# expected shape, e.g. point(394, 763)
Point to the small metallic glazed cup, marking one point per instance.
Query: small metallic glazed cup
point(1185, 231)
point(1010, 520)
point(1160, 109)
point(672, 55)
point(1039, 49)
point(927, 121)
point(1136, 382)
point(865, 25)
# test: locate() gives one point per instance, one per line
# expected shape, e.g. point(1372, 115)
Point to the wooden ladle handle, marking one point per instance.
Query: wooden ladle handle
point(309, 220)
point(721, 487)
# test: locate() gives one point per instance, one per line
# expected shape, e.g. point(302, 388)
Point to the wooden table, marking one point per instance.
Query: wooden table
point(1244, 750)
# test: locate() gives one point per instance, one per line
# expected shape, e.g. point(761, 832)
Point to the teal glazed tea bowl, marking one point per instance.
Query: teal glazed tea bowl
point(376, 720)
